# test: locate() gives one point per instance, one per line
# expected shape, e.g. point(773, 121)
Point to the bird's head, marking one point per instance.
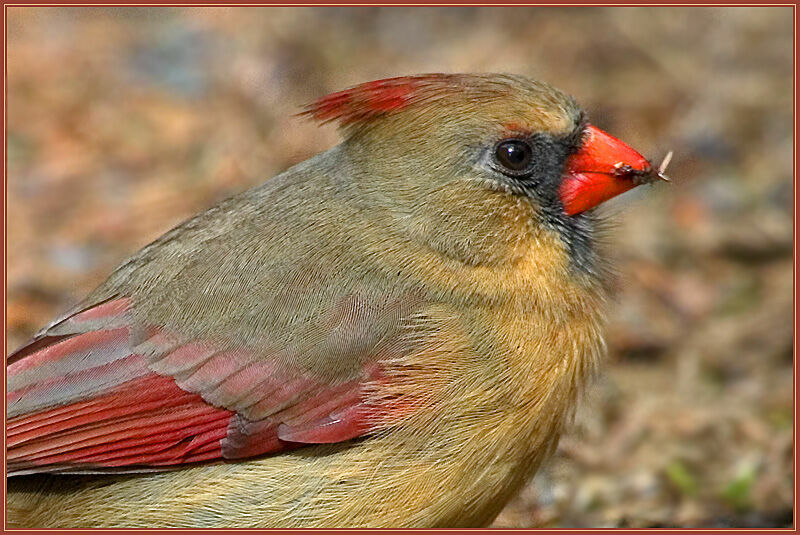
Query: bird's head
point(467, 162)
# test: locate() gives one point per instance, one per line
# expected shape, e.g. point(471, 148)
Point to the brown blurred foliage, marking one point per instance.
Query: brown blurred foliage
point(124, 121)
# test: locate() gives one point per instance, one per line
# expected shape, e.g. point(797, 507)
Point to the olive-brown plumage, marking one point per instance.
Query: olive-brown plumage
point(390, 334)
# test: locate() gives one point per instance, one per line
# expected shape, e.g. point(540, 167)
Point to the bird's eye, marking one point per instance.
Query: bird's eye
point(514, 155)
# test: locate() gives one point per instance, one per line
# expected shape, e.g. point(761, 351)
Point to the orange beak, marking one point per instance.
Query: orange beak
point(602, 168)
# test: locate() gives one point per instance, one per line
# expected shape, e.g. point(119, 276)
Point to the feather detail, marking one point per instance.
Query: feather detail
point(107, 394)
point(146, 421)
point(367, 101)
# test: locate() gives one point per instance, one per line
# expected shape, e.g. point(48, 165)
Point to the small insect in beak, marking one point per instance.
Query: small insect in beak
point(646, 175)
point(661, 173)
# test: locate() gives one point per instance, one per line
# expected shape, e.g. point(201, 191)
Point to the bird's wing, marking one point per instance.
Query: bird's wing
point(101, 390)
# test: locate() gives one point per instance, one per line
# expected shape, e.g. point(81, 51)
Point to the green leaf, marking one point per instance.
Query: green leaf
point(679, 475)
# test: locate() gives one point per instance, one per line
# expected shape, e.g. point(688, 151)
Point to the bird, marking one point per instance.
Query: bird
point(392, 333)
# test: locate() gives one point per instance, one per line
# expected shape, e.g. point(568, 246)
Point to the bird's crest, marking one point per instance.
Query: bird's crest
point(364, 102)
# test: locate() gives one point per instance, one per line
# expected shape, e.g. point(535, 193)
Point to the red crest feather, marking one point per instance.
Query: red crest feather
point(372, 99)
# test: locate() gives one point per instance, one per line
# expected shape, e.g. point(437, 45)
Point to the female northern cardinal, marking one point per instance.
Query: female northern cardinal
point(391, 333)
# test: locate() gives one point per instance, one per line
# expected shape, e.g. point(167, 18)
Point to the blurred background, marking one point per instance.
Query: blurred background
point(123, 122)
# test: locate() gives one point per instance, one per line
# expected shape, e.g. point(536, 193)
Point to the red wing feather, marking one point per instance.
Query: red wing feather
point(92, 400)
